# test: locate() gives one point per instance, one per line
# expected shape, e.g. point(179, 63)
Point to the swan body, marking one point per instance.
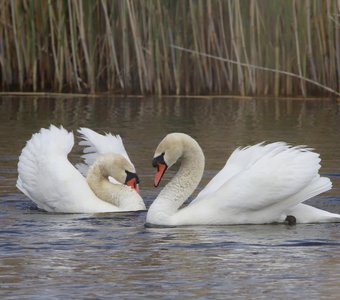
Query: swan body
point(259, 184)
point(46, 176)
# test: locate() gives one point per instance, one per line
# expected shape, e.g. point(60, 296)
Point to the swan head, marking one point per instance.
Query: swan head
point(168, 152)
point(119, 168)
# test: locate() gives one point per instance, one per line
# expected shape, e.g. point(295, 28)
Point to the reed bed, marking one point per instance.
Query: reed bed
point(246, 47)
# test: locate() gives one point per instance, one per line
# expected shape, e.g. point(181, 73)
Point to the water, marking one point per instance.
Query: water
point(66, 256)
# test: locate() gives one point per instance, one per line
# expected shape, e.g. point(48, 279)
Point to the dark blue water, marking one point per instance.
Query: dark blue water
point(66, 256)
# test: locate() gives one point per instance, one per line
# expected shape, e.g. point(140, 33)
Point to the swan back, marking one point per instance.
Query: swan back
point(265, 175)
point(240, 160)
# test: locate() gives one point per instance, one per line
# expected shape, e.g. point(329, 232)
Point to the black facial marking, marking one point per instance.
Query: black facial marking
point(130, 175)
point(158, 160)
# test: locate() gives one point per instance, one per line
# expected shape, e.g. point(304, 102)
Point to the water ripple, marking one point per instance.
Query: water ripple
point(105, 256)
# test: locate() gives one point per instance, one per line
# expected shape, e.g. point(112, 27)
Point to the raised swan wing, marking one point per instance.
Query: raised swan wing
point(96, 144)
point(240, 160)
point(260, 176)
point(48, 178)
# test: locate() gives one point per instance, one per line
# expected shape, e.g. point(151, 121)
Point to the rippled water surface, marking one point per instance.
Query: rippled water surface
point(69, 256)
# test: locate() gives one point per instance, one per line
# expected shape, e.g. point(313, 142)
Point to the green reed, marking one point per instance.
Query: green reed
point(124, 46)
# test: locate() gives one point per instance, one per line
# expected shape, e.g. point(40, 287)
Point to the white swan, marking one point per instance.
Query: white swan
point(46, 176)
point(259, 184)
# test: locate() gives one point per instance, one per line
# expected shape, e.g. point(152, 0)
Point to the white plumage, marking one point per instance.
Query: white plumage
point(258, 184)
point(46, 176)
point(96, 144)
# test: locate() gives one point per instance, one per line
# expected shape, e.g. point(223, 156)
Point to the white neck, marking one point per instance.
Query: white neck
point(180, 187)
point(117, 194)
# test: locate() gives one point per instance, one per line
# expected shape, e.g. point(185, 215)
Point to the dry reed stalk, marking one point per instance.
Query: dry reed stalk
point(194, 27)
point(62, 45)
point(243, 47)
point(113, 61)
point(6, 59)
point(151, 50)
point(164, 49)
point(309, 41)
point(16, 43)
point(78, 5)
point(322, 48)
point(124, 46)
point(277, 59)
point(262, 68)
point(331, 45)
point(337, 41)
point(261, 56)
point(57, 75)
point(205, 42)
point(73, 42)
point(252, 40)
point(125, 49)
point(236, 51)
point(228, 69)
point(137, 44)
point(296, 34)
point(174, 65)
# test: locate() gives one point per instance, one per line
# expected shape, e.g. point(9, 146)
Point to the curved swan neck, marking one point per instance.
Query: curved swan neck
point(120, 195)
point(100, 185)
point(182, 184)
point(105, 190)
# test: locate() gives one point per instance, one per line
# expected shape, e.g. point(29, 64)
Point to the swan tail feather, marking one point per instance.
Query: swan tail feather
point(317, 186)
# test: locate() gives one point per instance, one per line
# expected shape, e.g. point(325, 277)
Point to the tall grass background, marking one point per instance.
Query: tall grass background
point(127, 46)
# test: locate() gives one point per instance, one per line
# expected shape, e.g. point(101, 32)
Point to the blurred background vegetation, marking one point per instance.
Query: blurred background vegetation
point(124, 46)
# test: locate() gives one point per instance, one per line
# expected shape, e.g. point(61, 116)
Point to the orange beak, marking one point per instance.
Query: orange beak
point(132, 180)
point(161, 168)
point(132, 183)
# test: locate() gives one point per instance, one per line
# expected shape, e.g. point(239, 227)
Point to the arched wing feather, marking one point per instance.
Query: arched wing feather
point(96, 144)
point(45, 174)
point(265, 175)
